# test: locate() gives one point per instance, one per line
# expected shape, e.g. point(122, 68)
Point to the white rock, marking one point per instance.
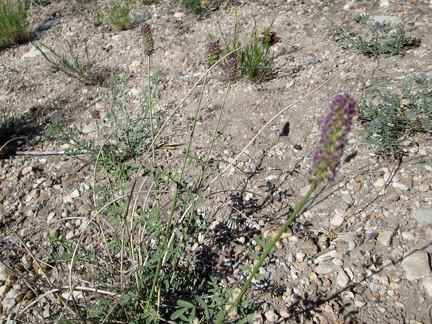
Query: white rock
point(342, 279)
point(427, 284)
point(379, 183)
point(386, 20)
point(31, 54)
point(88, 129)
point(69, 235)
point(271, 316)
point(75, 193)
point(326, 256)
point(50, 217)
point(337, 221)
point(384, 3)
point(305, 190)
point(401, 186)
point(416, 265)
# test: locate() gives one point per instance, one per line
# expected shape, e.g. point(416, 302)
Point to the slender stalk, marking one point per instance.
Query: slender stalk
point(175, 199)
point(268, 249)
point(150, 107)
point(214, 137)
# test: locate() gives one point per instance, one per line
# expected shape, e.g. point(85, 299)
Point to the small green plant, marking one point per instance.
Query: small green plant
point(73, 64)
point(254, 60)
point(389, 117)
point(378, 40)
point(13, 23)
point(7, 125)
point(118, 13)
point(199, 6)
point(149, 2)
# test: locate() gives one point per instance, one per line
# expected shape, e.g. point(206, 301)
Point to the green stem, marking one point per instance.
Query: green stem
point(149, 98)
point(214, 137)
point(267, 251)
point(176, 197)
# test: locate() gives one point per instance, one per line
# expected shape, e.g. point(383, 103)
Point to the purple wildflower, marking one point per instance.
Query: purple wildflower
point(95, 114)
point(146, 31)
point(334, 137)
point(213, 52)
point(232, 69)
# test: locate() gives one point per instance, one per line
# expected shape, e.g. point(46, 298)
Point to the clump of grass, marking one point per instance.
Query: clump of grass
point(7, 125)
point(379, 39)
point(118, 12)
point(255, 60)
point(13, 23)
point(72, 63)
point(199, 6)
point(391, 113)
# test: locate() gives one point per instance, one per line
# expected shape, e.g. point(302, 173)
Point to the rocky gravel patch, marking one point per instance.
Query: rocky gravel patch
point(360, 252)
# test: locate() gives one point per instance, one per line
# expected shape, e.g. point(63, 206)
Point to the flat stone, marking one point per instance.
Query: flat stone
point(342, 279)
point(427, 285)
point(75, 193)
point(386, 20)
point(325, 268)
point(424, 187)
point(379, 183)
point(385, 237)
point(3, 272)
point(31, 54)
point(84, 210)
point(69, 235)
point(326, 256)
point(336, 221)
point(401, 186)
point(423, 217)
point(416, 265)
point(308, 247)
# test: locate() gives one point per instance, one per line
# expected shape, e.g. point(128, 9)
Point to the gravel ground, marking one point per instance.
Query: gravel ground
point(360, 253)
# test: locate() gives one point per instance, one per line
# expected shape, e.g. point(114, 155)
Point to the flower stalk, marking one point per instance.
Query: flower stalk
point(325, 165)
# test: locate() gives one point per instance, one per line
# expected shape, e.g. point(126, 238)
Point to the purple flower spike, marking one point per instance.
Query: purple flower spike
point(213, 52)
point(148, 38)
point(95, 114)
point(334, 137)
point(232, 69)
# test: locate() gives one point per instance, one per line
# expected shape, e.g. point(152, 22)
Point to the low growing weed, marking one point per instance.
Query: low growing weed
point(254, 60)
point(118, 13)
point(199, 6)
point(391, 113)
point(73, 64)
point(379, 39)
point(13, 23)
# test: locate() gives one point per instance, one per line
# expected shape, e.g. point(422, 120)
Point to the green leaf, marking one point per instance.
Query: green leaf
point(178, 313)
point(184, 303)
point(201, 301)
point(253, 255)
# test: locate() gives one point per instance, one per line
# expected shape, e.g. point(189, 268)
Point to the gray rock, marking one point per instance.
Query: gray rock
point(427, 285)
point(325, 268)
point(386, 20)
point(3, 272)
point(423, 217)
point(416, 265)
point(326, 256)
